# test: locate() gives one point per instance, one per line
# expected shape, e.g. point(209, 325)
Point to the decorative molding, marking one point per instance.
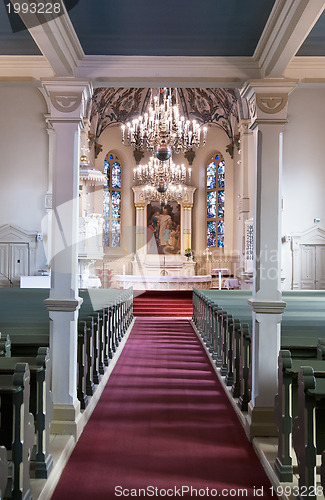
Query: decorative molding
point(252, 107)
point(63, 305)
point(48, 201)
point(168, 71)
point(24, 70)
point(286, 29)
point(15, 234)
point(312, 236)
point(138, 155)
point(66, 102)
point(266, 306)
point(190, 155)
point(139, 206)
point(57, 41)
point(271, 103)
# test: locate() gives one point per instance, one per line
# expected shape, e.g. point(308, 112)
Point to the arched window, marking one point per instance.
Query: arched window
point(215, 183)
point(112, 202)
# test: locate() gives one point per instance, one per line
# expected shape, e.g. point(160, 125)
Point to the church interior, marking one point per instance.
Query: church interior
point(162, 256)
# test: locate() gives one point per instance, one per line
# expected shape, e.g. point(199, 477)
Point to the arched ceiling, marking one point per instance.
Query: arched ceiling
point(216, 106)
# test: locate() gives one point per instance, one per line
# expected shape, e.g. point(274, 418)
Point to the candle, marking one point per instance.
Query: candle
point(123, 269)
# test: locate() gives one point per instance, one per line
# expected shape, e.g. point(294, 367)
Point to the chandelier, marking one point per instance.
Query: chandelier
point(162, 181)
point(162, 130)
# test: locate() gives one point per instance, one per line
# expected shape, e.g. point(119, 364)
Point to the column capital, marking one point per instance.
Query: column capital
point(267, 99)
point(67, 98)
point(244, 127)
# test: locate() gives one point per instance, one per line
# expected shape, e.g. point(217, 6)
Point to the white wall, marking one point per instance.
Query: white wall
point(111, 141)
point(23, 160)
point(303, 168)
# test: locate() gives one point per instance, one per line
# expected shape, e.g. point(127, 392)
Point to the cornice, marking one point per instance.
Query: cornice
point(306, 69)
point(14, 68)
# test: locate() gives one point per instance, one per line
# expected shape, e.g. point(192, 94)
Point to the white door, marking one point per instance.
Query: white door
point(14, 262)
point(4, 265)
point(313, 267)
point(18, 261)
point(320, 267)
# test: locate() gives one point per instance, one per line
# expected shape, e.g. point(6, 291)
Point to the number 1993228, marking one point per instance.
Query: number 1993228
point(34, 8)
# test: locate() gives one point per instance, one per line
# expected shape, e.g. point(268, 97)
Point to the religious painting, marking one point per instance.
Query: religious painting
point(163, 228)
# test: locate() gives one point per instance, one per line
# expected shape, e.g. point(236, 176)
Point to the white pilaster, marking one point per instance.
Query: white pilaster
point(186, 225)
point(268, 108)
point(67, 101)
point(246, 190)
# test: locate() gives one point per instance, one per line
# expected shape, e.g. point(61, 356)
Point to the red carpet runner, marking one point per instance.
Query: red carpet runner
point(163, 423)
point(163, 303)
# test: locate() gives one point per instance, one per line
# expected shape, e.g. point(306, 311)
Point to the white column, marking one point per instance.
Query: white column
point(268, 107)
point(67, 101)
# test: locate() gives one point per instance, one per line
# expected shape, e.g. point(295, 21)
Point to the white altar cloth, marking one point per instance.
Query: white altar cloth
point(162, 282)
point(35, 281)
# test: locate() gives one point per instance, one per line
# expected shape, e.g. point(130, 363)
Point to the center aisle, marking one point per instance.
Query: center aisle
point(163, 421)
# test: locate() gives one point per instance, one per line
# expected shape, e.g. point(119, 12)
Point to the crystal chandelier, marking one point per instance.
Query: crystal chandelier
point(162, 181)
point(162, 130)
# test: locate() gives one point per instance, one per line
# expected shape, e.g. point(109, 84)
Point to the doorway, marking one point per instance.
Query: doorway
point(312, 267)
point(14, 262)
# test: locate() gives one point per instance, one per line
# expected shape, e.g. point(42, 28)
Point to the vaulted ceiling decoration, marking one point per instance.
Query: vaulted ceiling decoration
point(111, 106)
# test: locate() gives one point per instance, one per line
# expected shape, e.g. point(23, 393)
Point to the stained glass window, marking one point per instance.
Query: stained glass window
point(215, 183)
point(112, 201)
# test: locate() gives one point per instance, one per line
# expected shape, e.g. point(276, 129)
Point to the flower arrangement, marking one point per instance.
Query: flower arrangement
point(188, 253)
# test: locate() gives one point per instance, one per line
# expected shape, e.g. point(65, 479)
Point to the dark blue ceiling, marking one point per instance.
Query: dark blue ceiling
point(171, 27)
point(12, 44)
point(314, 45)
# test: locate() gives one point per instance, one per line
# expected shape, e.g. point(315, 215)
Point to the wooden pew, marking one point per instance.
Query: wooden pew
point(5, 347)
point(286, 407)
point(3, 469)
point(301, 328)
point(40, 405)
point(108, 314)
point(322, 471)
point(17, 430)
point(308, 429)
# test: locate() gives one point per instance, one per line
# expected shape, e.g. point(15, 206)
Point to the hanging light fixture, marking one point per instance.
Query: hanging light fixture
point(162, 181)
point(162, 130)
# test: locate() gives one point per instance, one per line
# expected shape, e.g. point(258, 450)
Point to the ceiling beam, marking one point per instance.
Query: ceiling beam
point(168, 71)
point(289, 24)
point(57, 40)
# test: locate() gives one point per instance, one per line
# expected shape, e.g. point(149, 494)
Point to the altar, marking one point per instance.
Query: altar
point(163, 265)
point(163, 234)
point(162, 282)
